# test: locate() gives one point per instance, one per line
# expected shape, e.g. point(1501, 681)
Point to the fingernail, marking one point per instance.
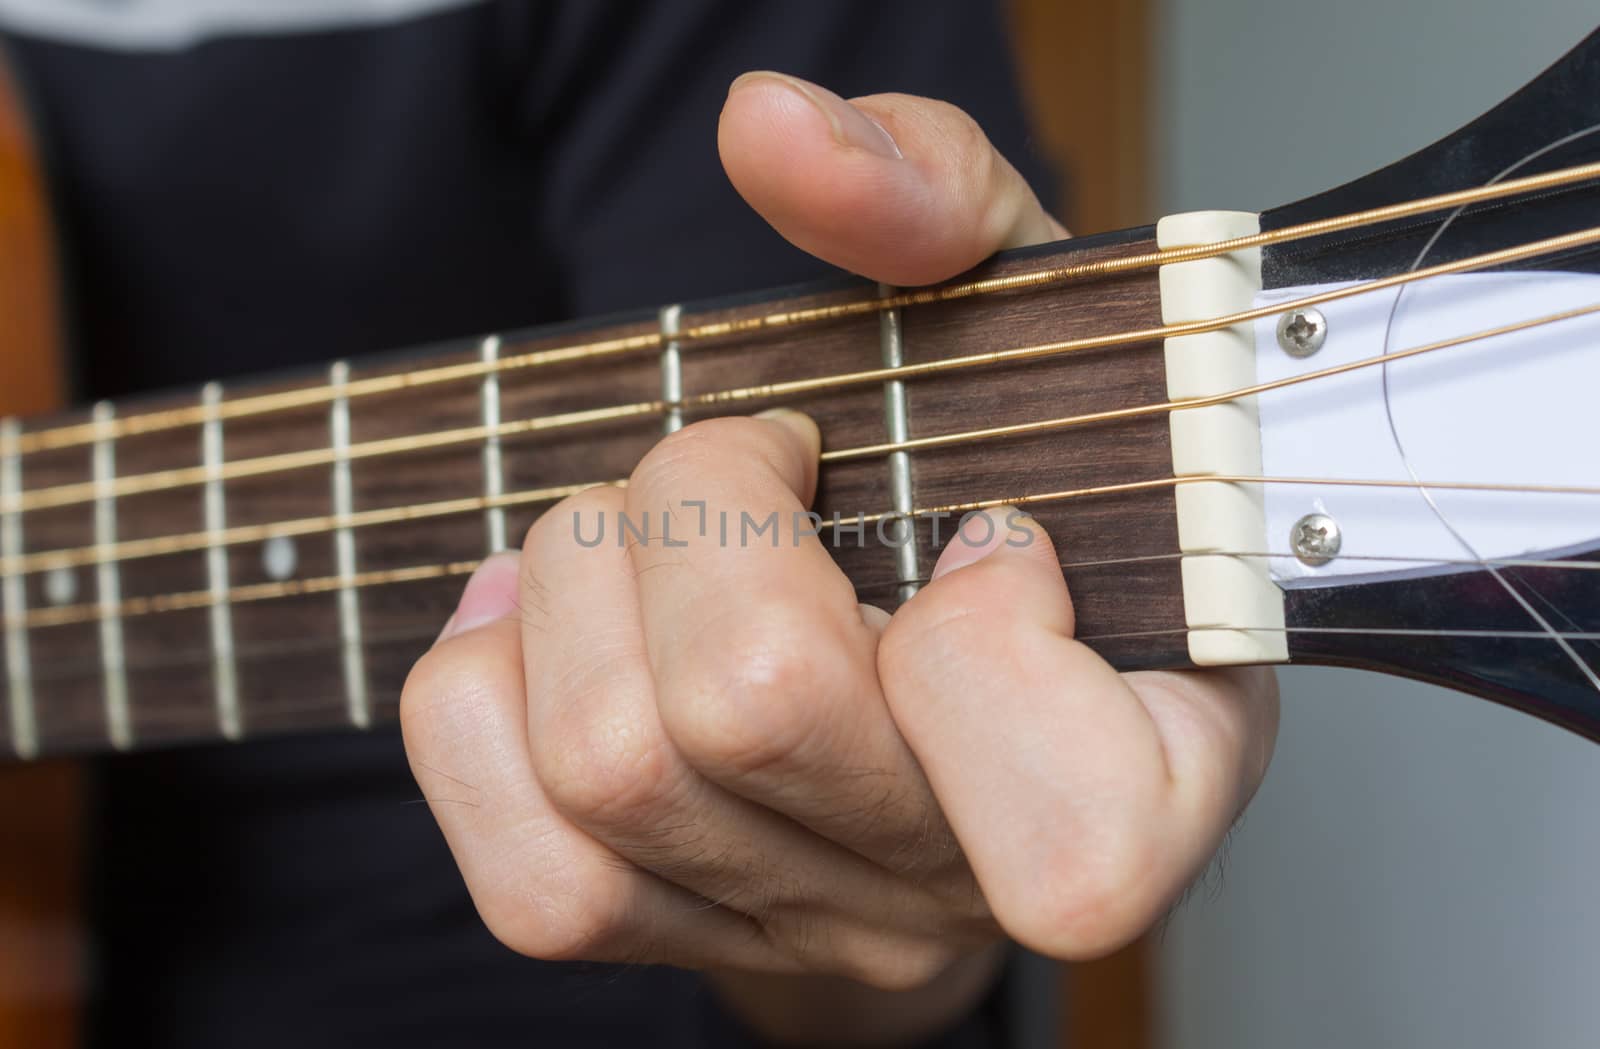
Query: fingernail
point(799, 423)
point(490, 595)
point(981, 534)
point(851, 127)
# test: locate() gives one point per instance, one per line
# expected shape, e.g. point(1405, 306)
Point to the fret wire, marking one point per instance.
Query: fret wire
point(14, 600)
point(672, 369)
point(108, 583)
point(344, 552)
point(161, 480)
point(224, 665)
point(1162, 407)
point(47, 560)
point(176, 544)
point(310, 397)
point(65, 436)
point(897, 424)
point(1067, 346)
point(181, 719)
point(184, 600)
point(169, 659)
point(292, 588)
point(165, 480)
point(493, 473)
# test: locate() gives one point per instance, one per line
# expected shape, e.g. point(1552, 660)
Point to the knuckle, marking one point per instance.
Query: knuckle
point(1092, 902)
point(895, 964)
point(542, 890)
point(681, 450)
point(427, 699)
point(554, 533)
point(416, 707)
point(602, 766)
point(751, 702)
point(866, 952)
point(553, 926)
point(965, 139)
point(1227, 719)
point(698, 446)
point(909, 968)
point(970, 139)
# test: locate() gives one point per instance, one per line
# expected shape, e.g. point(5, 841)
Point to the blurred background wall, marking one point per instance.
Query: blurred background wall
point(1420, 869)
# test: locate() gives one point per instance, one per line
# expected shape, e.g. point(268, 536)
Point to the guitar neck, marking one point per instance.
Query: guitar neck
point(272, 556)
point(266, 557)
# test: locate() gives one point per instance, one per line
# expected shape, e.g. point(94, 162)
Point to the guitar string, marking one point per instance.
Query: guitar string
point(129, 549)
point(402, 574)
point(1467, 546)
point(194, 599)
point(262, 649)
point(1547, 635)
point(181, 477)
point(1157, 483)
point(260, 404)
point(1567, 564)
point(169, 659)
point(1420, 632)
point(1182, 404)
point(205, 717)
point(464, 567)
point(285, 647)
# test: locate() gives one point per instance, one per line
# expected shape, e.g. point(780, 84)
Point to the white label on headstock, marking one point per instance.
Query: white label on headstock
point(1517, 410)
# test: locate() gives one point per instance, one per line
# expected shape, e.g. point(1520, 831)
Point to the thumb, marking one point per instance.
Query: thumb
point(897, 188)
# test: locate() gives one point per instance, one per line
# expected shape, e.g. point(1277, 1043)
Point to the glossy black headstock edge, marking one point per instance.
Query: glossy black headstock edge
point(1366, 625)
point(1562, 100)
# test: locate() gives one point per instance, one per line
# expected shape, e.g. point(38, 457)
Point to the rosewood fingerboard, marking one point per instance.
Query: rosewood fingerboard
point(272, 634)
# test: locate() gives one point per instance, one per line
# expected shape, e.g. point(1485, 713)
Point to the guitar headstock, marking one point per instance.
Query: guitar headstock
point(1465, 549)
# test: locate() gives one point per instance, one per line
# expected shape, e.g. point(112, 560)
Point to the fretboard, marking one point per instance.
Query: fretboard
point(264, 557)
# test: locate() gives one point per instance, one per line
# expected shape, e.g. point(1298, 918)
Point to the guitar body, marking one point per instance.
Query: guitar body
point(40, 928)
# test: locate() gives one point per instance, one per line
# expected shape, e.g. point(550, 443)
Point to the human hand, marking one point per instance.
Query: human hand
point(714, 757)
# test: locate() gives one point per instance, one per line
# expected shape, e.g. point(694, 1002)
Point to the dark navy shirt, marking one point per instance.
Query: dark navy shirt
point(252, 184)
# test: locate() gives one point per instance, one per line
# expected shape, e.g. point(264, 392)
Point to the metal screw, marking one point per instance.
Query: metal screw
point(1302, 332)
point(1315, 539)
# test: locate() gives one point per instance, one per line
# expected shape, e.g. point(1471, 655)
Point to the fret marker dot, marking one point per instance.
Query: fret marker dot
point(279, 557)
point(60, 586)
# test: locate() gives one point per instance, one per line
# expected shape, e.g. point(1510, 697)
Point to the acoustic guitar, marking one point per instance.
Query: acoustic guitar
point(1354, 430)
